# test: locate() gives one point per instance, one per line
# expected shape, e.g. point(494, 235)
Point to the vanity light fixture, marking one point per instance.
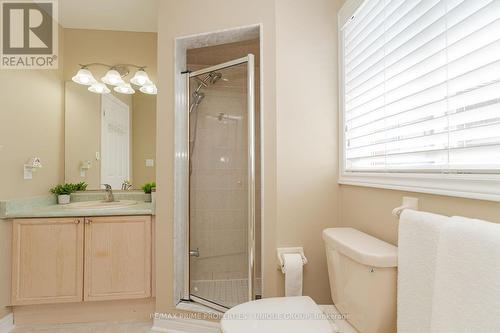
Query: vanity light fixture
point(124, 88)
point(149, 89)
point(140, 78)
point(115, 77)
point(84, 76)
point(99, 88)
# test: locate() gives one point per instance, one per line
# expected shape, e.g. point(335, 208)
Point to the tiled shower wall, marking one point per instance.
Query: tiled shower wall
point(219, 176)
point(218, 189)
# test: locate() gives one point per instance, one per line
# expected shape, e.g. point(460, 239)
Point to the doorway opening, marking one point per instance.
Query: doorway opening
point(218, 163)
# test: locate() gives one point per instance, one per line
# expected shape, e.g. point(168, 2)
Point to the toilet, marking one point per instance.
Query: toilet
point(363, 273)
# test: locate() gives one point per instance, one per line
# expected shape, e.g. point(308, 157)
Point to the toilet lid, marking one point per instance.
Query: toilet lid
point(279, 314)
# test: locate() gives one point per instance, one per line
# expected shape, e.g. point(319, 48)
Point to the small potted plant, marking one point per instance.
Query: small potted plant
point(79, 187)
point(63, 192)
point(148, 188)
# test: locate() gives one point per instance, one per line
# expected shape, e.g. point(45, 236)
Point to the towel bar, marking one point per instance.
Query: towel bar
point(408, 203)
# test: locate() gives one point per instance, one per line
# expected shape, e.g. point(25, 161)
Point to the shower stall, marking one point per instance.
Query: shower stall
point(223, 210)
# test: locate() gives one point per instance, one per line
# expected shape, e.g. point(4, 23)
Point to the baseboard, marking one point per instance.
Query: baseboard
point(7, 323)
point(179, 325)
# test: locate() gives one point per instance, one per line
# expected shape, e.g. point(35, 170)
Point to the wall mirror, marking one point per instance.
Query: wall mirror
point(109, 138)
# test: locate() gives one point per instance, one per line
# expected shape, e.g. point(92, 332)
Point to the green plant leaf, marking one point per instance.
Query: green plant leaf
point(147, 188)
point(68, 188)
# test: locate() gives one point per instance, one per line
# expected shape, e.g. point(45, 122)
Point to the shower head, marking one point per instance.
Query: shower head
point(210, 78)
point(197, 95)
point(214, 77)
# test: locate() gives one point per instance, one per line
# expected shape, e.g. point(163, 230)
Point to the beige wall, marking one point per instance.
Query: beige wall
point(111, 47)
point(143, 138)
point(31, 124)
point(197, 17)
point(306, 98)
point(299, 45)
point(369, 209)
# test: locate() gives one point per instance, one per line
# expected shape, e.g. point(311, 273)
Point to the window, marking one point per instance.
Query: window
point(421, 90)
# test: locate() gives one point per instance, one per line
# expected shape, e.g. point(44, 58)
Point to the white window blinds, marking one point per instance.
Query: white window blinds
point(422, 86)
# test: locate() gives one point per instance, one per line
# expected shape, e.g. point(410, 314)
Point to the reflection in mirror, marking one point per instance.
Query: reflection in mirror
point(109, 138)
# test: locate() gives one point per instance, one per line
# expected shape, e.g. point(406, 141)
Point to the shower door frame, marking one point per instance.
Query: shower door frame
point(250, 61)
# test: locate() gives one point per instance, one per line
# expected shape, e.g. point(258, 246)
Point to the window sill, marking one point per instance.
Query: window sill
point(480, 187)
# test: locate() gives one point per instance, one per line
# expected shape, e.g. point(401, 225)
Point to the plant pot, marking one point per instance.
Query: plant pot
point(148, 197)
point(63, 199)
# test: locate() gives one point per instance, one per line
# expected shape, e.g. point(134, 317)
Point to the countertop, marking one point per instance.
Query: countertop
point(46, 207)
point(141, 208)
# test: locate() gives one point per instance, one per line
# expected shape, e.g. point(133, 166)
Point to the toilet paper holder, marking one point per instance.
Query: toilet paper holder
point(286, 250)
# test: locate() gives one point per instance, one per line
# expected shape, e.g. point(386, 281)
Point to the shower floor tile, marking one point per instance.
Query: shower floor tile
point(224, 292)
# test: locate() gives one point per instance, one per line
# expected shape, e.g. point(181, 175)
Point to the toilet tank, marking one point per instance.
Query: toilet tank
point(363, 275)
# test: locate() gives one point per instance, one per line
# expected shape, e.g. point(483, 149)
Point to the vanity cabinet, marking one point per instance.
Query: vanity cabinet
point(117, 258)
point(47, 262)
point(59, 260)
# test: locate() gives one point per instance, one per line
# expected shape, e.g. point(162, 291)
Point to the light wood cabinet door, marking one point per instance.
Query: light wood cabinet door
point(47, 260)
point(117, 258)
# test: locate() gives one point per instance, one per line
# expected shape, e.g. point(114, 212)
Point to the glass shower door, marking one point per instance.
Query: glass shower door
point(222, 184)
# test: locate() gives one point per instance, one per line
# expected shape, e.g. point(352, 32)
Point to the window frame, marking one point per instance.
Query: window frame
point(482, 186)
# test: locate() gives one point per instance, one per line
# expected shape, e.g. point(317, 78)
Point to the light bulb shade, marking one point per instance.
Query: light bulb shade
point(124, 88)
point(99, 88)
point(149, 89)
point(113, 78)
point(140, 78)
point(84, 76)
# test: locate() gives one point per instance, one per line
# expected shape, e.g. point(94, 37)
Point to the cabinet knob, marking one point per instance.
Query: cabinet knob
point(77, 221)
point(88, 221)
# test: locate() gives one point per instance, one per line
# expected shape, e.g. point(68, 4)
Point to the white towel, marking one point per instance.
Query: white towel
point(467, 282)
point(419, 234)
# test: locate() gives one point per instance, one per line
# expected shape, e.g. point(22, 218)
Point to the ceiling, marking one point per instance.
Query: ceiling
point(120, 15)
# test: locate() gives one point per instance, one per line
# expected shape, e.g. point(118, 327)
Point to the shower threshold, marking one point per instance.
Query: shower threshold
point(225, 293)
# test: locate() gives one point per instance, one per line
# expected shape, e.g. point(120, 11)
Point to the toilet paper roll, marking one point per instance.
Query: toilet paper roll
point(293, 274)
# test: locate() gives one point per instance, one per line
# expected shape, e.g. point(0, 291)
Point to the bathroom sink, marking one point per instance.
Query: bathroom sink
point(100, 204)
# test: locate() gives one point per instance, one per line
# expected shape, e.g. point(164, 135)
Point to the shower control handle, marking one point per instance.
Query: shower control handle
point(194, 253)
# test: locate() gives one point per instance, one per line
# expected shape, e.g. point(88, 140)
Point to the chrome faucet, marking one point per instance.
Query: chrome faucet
point(108, 196)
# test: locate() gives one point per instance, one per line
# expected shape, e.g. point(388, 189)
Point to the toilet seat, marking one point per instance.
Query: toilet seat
point(279, 314)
